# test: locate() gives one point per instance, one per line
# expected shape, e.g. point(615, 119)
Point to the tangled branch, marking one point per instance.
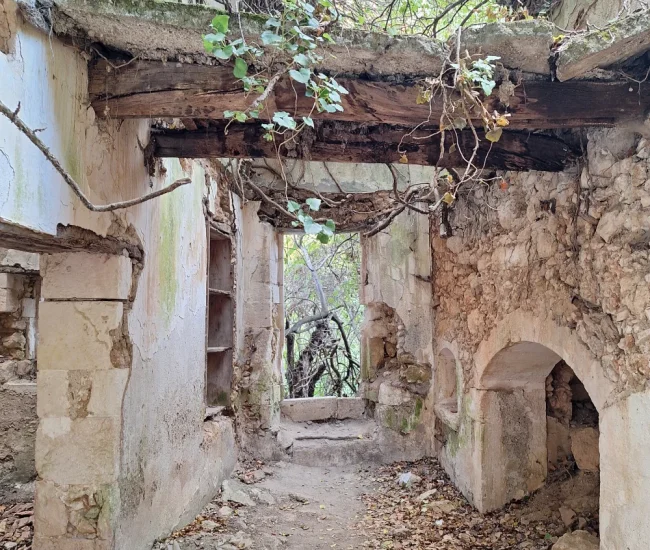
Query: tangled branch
point(18, 123)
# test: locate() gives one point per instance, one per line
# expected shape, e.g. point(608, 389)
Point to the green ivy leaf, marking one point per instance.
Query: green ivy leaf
point(330, 225)
point(270, 38)
point(293, 206)
point(241, 116)
point(301, 59)
point(303, 75)
point(487, 86)
point(224, 53)
point(220, 23)
point(215, 37)
point(229, 114)
point(313, 228)
point(284, 119)
point(241, 68)
point(308, 121)
point(313, 203)
point(323, 238)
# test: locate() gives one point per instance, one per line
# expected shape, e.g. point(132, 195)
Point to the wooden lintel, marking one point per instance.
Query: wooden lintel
point(152, 89)
point(349, 142)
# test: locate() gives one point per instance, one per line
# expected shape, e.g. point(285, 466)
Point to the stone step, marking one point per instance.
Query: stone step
point(323, 408)
point(333, 443)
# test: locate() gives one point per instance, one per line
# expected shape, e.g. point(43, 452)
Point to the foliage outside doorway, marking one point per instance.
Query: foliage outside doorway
point(323, 316)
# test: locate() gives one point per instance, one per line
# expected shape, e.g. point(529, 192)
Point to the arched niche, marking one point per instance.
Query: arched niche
point(511, 368)
point(446, 394)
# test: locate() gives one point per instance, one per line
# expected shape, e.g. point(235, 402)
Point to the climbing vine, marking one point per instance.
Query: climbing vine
point(287, 46)
point(290, 47)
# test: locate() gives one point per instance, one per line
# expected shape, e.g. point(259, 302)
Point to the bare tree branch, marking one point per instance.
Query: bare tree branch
point(13, 117)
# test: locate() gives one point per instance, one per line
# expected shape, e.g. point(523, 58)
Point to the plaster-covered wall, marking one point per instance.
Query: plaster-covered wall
point(561, 261)
point(397, 352)
point(169, 462)
point(259, 354)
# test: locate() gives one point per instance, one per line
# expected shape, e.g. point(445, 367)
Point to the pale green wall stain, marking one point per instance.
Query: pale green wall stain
point(19, 187)
point(168, 251)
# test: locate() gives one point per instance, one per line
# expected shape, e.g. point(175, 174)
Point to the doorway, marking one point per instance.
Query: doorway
point(322, 316)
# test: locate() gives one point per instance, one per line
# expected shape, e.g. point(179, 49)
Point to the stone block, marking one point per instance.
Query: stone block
point(350, 407)
point(11, 280)
point(309, 408)
point(50, 513)
point(9, 301)
point(376, 352)
point(83, 451)
point(558, 440)
point(52, 393)
point(77, 335)
point(584, 446)
point(84, 276)
point(29, 308)
point(81, 393)
point(393, 396)
point(577, 540)
point(108, 387)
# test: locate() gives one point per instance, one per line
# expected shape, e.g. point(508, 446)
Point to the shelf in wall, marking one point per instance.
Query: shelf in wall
point(221, 292)
point(218, 349)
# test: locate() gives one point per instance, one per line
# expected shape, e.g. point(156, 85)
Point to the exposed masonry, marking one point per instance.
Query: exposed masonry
point(19, 294)
point(83, 374)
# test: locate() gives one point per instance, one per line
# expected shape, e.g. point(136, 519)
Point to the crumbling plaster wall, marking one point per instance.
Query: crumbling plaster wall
point(259, 353)
point(397, 351)
point(166, 463)
point(560, 260)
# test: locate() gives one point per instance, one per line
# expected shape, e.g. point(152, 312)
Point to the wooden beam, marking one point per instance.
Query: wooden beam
point(152, 89)
point(349, 142)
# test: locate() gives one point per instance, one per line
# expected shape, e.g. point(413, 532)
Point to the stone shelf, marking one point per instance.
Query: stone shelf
point(447, 412)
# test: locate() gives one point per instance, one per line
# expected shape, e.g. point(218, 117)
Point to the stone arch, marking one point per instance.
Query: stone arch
point(546, 341)
point(511, 368)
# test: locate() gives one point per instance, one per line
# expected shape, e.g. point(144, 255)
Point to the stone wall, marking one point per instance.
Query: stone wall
point(397, 351)
point(259, 346)
point(543, 267)
point(19, 291)
point(130, 420)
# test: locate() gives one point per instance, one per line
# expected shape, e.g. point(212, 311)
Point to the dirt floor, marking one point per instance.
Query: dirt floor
point(297, 507)
point(285, 505)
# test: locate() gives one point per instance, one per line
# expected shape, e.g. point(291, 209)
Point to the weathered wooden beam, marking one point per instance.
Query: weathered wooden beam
point(618, 41)
point(152, 89)
point(349, 142)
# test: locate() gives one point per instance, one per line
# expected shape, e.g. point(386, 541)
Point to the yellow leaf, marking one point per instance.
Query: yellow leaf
point(403, 159)
point(448, 197)
point(502, 121)
point(494, 135)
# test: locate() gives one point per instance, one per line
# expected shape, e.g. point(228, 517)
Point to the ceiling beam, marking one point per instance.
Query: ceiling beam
point(153, 89)
point(349, 142)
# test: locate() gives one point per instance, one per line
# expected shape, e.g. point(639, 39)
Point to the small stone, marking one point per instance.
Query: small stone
point(442, 506)
point(225, 512)
point(568, 516)
point(582, 523)
point(257, 475)
point(234, 491)
point(578, 540)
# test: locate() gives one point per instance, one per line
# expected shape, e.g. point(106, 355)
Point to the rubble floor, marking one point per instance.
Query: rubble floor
point(300, 507)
